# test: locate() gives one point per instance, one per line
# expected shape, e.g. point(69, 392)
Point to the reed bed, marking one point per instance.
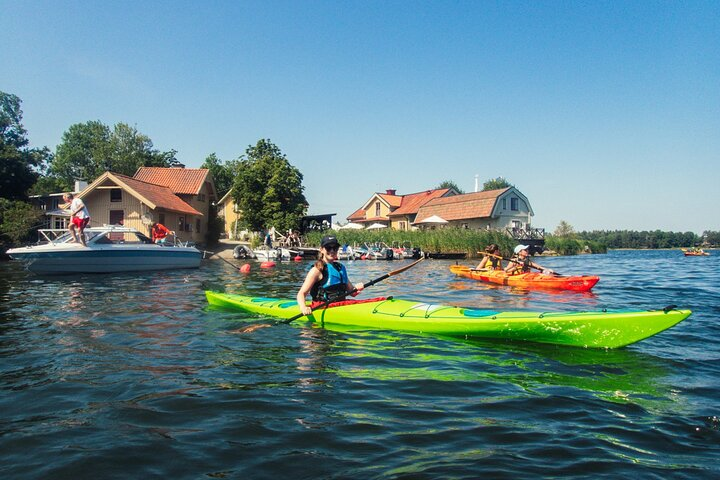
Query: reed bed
point(444, 240)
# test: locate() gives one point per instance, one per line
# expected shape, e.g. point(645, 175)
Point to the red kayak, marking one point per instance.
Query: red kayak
point(528, 280)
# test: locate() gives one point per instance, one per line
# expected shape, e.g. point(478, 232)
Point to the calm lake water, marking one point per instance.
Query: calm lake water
point(133, 376)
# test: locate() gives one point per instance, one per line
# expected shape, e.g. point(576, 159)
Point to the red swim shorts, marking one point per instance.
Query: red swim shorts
point(80, 222)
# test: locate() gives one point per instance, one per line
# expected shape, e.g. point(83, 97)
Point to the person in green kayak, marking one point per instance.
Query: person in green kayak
point(521, 263)
point(327, 278)
point(491, 258)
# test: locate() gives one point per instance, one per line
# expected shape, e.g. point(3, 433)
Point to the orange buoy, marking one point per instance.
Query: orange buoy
point(245, 268)
point(267, 264)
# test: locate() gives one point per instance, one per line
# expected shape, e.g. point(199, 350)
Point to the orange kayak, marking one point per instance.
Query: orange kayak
point(528, 280)
point(694, 253)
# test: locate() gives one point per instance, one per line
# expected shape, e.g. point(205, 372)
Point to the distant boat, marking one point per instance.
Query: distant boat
point(109, 249)
point(694, 252)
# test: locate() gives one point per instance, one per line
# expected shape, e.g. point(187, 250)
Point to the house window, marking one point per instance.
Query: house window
point(465, 226)
point(402, 226)
point(201, 197)
point(116, 195)
point(181, 224)
point(504, 203)
point(514, 204)
point(377, 209)
point(117, 217)
point(197, 225)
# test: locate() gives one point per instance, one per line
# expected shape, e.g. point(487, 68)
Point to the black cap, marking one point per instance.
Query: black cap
point(328, 240)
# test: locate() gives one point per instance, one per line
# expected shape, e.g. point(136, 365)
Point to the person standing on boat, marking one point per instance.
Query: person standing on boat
point(491, 259)
point(79, 217)
point(521, 262)
point(327, 277)
point(159, 233)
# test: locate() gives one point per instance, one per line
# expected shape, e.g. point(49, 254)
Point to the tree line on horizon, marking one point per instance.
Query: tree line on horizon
point(655, 239)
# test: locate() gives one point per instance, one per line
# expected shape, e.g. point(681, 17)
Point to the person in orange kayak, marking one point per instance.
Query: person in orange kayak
point(327, 277)
point(521, 263)
point(159, 233)
point(492, 258)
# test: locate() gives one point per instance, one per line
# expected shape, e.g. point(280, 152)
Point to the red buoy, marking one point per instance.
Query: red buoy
point(297, 258)
point(267, 264)
point(245, 268)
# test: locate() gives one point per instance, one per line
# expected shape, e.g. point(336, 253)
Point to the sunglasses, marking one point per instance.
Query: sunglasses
point(332, 248)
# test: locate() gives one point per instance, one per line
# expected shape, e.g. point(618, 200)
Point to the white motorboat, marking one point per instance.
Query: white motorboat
point(109, 249)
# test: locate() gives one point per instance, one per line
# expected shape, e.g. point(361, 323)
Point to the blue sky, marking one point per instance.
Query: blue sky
point(604, 114)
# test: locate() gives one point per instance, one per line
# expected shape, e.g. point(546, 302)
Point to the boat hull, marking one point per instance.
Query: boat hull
point(580, 329)
point(76, 259)
point(528, 280)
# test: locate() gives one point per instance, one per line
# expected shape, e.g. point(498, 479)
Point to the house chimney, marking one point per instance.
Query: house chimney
point(80, 185)
point(476, 182)
point(390, 191)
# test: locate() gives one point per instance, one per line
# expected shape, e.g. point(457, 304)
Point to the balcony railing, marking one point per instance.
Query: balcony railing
point(526, 233)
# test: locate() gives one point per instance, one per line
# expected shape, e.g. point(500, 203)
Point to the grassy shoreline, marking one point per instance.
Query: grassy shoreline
point(452, 240)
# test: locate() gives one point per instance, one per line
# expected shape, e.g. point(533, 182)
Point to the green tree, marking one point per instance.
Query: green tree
point(449, 184)
point(496, 184)
point(564, 230)
point(83, 154)
point(17, 221)
point(89, 149)
point(222, 174)
point(268, 189)
point(19, 164)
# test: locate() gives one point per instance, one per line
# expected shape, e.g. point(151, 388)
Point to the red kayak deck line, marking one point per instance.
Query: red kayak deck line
point(580, 283)
point(319, 305)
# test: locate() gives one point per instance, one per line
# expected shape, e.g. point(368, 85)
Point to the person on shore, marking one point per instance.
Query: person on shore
point(521, 263)
point(492, 259)
point(159, 233)
point(79, 218)
point(327, 277)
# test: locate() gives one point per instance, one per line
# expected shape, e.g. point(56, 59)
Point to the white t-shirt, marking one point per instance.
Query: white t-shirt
point(78, 204)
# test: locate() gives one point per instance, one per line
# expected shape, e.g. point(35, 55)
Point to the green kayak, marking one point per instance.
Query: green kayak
point(601, 329)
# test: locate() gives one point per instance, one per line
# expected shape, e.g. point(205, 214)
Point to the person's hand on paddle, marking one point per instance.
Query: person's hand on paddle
point(305, 309)
point(357, 288)
point(548, 271)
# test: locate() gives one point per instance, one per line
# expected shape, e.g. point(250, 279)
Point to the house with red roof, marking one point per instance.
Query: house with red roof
point(395, 211)
point(179, 198)
point(502, 209)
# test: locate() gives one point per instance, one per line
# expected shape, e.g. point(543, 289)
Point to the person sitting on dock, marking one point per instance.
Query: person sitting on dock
point(491, 258)
point(521, 263)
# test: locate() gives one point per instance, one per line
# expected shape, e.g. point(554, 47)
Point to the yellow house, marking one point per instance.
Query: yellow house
point(230, 213)
point(179, 198)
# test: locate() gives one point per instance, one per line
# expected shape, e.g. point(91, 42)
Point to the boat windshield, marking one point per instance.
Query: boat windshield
point(121, 237)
